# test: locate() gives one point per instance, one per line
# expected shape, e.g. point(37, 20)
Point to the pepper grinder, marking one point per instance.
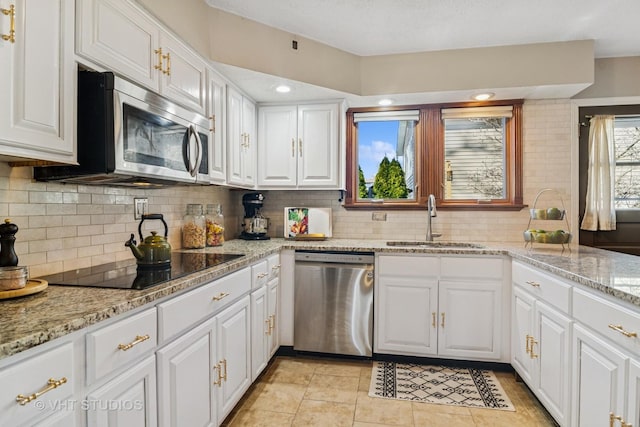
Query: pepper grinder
point(8, 257)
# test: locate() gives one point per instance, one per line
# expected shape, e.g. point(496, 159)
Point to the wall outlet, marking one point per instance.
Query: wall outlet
point(379, 216)
point(140, 207)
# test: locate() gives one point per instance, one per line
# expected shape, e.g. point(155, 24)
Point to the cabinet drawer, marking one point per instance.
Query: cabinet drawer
point(604, 317)
point(421, 266)
point(274, 266)
point(120, 343)
point(181, 312)
point(472, 267)
point(259, 274)
point(544, 286)
point(30, 376)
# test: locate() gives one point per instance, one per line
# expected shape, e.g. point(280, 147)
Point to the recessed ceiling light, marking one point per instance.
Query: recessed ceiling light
point(483, 96)
point(283, 89)
point(385, 102)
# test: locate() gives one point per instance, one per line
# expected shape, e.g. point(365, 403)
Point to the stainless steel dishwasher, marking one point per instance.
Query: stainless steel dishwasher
point(333, 302)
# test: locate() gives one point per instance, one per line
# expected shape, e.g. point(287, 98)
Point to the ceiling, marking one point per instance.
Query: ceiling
point(380, 27)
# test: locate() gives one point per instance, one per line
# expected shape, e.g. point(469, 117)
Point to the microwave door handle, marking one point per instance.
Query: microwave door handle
point(196, 167)
point(188, 161)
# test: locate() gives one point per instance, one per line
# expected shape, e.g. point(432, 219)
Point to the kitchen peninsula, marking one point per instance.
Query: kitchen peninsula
point(587, 287)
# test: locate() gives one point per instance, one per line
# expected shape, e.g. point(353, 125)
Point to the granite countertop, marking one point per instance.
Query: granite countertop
point(59, 310)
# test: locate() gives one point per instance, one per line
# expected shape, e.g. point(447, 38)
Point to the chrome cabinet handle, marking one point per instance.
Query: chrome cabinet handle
point(138, 340)
point(11, 37)
point(51, 384)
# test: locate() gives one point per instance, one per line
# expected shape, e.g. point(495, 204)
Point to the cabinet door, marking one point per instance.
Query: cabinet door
point(259, 331)
point(184, 74)
point(318, 164)
point(186, 379)
point(277, 146)
point(470, 319)
point(550, 350)
point(406, 316)
point(235, 137)
point(251, 148)
point(273, 298)
point(215, 113)
point(598, 379)
point(633, 394)
point(121, 38)
point(234, 354)
point(37, 112)
point(127, 400)
point(522, 328)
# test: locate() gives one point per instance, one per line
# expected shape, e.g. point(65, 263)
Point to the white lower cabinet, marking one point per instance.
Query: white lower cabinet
point(234, 355)
point(540, 351)
point(260, 328)
point(187, 379)
point(425, 306)
point(470, 319)
point(273, 298)
point(633, 390)
point(128, 400)
point(599, 378)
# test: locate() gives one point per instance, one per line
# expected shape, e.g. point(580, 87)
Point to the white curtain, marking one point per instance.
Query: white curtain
point(600, 211)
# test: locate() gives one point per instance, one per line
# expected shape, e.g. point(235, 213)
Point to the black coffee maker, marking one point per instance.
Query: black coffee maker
point(254, 225)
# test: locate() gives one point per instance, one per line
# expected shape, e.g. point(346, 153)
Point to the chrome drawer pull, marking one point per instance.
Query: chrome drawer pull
point(138, 340)
point(51, 384)
point(532, 283)
point(619, 328)
point(220, 296)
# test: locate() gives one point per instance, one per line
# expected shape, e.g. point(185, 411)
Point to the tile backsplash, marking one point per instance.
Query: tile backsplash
point(67, 226)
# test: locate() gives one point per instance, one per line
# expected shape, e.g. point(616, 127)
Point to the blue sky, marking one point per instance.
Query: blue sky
point(375, 139)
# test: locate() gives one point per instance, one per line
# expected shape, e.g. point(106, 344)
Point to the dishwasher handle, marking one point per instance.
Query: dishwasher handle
point(335, 257)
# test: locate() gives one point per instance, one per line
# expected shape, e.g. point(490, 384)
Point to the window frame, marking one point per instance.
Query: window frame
point(430, 164)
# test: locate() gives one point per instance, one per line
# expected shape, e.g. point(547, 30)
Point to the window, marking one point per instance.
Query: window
point(626, 237)
point(626, 133)
point(467, 155)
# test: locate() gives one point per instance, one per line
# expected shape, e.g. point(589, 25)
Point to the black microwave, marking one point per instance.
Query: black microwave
point(127, 135)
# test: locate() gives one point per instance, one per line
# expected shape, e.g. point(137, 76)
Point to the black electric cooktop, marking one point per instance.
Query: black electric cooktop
point(127, 275)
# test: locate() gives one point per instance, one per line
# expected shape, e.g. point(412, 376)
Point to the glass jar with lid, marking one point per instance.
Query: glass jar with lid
point(215, 225)
point(193, 228)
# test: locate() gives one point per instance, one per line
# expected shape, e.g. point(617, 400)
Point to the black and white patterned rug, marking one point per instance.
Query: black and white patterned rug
point(443, 385)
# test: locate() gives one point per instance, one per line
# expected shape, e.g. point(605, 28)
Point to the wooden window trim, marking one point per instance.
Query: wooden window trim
point(430, 174)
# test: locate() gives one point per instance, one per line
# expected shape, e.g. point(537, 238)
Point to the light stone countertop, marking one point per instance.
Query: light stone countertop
point(59, 310)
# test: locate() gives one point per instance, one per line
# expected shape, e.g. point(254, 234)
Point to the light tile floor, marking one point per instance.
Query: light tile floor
point(334, 392)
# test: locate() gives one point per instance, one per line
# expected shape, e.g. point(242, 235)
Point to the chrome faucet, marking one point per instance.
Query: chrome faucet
point(431, 213)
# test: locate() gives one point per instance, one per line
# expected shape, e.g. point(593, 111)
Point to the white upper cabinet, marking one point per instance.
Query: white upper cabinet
point(38, 80)
point(241, 139)
point(298, 146)
point(216, 91)
point(122, 38)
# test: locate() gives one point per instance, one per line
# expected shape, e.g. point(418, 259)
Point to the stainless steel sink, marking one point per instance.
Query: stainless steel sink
point(461, 245)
